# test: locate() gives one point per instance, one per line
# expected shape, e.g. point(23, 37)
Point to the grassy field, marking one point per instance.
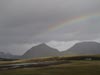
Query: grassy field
point(74, 57)
point(73, 68)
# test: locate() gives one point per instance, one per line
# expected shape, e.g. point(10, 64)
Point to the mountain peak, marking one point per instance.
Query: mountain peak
point(84, 48)
point(88, 42)
point(41, 50)
point(42, 44)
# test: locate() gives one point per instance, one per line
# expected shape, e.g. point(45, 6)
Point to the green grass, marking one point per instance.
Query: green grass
point(73, 68)
point(46, 59)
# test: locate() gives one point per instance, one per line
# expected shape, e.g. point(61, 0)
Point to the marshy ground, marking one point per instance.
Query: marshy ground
point(71, 67)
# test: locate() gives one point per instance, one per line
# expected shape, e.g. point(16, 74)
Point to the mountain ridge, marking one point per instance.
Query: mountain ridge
point(84, 48)
point(41, 50)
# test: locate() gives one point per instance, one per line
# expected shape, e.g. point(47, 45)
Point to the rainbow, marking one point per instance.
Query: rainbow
point(73, 21)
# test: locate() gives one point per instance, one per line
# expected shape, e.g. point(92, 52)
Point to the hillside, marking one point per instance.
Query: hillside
point(41, 50)
point(84, 48)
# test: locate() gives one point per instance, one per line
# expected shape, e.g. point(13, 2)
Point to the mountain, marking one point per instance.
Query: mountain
point(4, 55)
point(41, 50)
point(84, 48)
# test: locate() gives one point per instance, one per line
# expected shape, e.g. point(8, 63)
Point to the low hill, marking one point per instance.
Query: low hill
point(4, 55)
point(41, 50)
point(83, 48)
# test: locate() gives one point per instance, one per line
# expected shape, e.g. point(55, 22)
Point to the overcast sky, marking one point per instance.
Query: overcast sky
point(25, 23)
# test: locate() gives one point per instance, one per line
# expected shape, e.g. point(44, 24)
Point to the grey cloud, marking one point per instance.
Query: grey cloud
point(27, 21)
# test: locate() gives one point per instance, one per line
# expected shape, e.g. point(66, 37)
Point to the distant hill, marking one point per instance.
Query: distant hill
point(4, 55)
point(41, 50)
point(84, 48)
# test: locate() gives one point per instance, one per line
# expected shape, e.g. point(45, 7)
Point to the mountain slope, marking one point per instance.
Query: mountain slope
point(41, 50)
point(84, 48)
point(8, 56)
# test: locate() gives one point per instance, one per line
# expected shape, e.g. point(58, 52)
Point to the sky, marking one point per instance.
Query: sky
point(26, 23)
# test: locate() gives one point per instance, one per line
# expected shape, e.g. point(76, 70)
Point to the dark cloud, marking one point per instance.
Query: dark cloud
point(24, 22)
